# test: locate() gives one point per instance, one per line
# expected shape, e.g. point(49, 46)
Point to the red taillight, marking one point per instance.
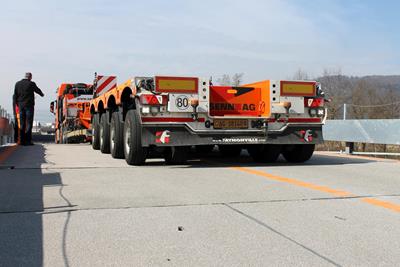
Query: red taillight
point(153, 100)
point(313, 102)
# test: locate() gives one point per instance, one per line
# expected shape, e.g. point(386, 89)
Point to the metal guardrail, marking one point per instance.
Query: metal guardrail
point(362, 131)
point(6, 128)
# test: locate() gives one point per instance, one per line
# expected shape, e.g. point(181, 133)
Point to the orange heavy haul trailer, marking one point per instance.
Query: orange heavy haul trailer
point(168, 115)
point(72, 112)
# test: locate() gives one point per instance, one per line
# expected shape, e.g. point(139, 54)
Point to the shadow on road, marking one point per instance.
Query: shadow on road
point(43, 138)
point(214, 159)
point(21, 207)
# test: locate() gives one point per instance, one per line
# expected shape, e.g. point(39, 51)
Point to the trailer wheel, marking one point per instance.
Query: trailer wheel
point(116, 136)
point(264, 153)
point(96, 131)
point(176, 155)
point(56, 137)
point(63, 139)
point(298, 153)
point(135, 153)
point(230, 150)
point(104, 133)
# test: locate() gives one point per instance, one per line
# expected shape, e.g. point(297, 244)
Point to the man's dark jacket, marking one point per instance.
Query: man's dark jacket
point(24, 93)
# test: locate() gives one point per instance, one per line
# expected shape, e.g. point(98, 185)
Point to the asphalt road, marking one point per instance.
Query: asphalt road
point(68, 205)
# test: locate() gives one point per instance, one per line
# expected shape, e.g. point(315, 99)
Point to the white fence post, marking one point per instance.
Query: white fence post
point(344, 111)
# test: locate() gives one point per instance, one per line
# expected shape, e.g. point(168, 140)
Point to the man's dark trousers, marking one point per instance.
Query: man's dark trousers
point(26, 123)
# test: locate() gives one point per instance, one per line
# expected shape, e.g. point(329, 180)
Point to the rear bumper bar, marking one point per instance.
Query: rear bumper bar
point(182, 135)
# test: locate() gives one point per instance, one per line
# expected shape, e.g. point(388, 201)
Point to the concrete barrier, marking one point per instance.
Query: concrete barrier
point(385, 131)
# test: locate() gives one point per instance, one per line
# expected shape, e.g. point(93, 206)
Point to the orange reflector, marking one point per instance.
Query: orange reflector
point(194, 102)
point(176, 84)
point(232, 91)
point(297, 88)
point(286, 105)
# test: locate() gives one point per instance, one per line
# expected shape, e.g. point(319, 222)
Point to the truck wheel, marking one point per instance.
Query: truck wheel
point(264, 153)
point(96, 131)
point(62, 138)
point(176, 155)
point(116, 136)
point(56, 137)
point(104, 133)
point(298, 153)
point(230, 150)
point(134, 153)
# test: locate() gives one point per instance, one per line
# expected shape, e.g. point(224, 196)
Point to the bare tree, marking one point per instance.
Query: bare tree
point(392, 110)
point(237, 79)
point(371, 101)
point(227, 80)
point(363, 98)
point(224, 80)
point(338, 88)
point(301, 75)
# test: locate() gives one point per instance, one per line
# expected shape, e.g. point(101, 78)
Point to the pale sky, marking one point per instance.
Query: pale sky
point(67, 41)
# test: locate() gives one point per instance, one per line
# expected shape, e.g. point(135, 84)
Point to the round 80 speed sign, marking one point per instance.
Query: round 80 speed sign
point(182, 102)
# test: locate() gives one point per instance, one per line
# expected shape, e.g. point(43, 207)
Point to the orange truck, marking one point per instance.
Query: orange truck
point(166, 116)
point(72, 112)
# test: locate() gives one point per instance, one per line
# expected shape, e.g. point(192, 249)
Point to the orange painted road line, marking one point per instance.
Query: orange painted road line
point(383, 204)
point(295, 182)
point(7, 152)
point(325, 189)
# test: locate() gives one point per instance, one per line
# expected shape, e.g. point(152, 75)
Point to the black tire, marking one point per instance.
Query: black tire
point(176, 155)
point(57, 137)
point(116, 136)
point(96, 131)
point(134, 152)
point(230, 150)
point(298, 153)
point(62, 137)
point(105, 133)
point(264, 153)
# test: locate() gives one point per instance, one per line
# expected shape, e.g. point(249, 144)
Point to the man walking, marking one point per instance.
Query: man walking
point(24, 98)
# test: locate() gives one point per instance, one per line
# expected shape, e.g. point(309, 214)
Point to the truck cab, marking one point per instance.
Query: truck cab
point(71, 110)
